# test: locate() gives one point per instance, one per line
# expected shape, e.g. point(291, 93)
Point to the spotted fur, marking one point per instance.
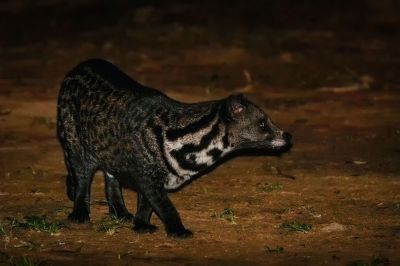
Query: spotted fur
point(144, 140)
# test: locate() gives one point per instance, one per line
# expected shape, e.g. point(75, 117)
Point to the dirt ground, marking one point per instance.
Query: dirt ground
point(328, 75)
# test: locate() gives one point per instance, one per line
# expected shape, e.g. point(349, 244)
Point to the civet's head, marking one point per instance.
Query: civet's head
point(250, 127)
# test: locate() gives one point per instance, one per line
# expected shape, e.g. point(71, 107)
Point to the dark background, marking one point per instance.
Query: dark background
point(326, 36)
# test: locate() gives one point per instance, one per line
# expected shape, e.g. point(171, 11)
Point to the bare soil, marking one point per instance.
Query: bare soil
point(333, 85)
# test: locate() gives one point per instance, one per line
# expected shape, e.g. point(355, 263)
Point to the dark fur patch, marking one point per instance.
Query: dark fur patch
point(160, 140)
point(180, 155)
point(215, 154)
point(174, 134)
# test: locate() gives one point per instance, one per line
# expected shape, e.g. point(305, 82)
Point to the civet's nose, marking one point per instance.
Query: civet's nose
point(287, 136)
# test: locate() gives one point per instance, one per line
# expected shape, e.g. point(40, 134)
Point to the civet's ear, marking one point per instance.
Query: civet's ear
point(235, 105)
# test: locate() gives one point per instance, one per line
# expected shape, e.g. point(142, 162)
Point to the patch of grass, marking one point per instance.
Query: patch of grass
point(3, 231)
point(12, 222)
point(227, 214)
point(109, 225)
point(23, 261)
point(269, 187)
point(37, 223)
point(296, 226)
point(397, 205)
point(277, 249)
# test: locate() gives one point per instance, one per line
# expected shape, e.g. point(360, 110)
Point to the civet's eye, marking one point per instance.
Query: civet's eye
point(263, 124)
